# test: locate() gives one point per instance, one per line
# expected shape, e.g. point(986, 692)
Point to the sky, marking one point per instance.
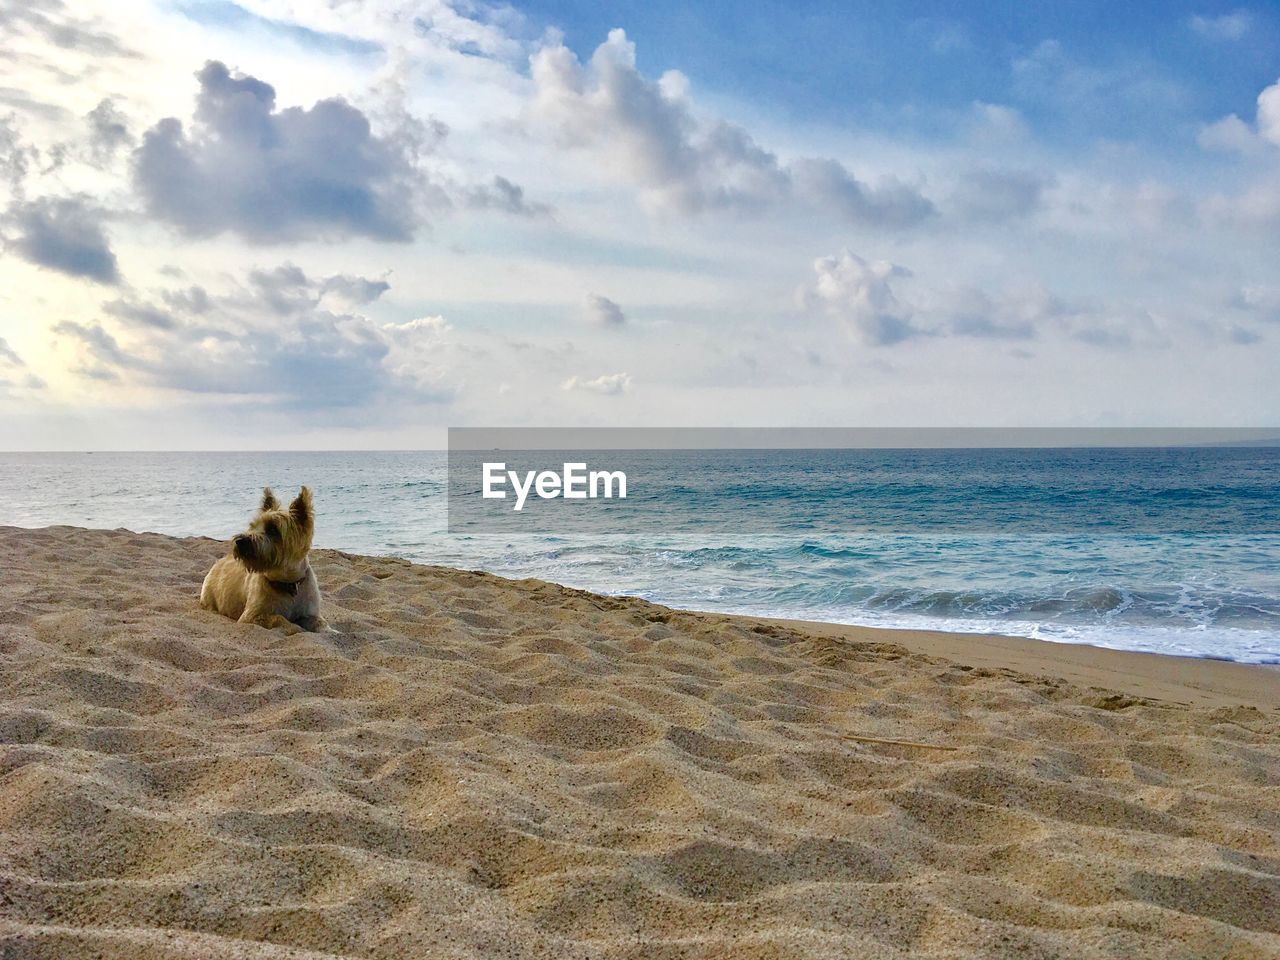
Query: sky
point(299, 224)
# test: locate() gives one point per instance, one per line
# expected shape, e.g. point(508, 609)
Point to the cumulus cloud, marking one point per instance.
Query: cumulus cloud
point(1269, 114)
point(271, 174)
point(602, 311)
point(1228, 26)
point(1228, 135)
point(609, 384)
point(63, 234)
point(859, 294)
point(271, 338)
point(1231, 133)
point(648, 132)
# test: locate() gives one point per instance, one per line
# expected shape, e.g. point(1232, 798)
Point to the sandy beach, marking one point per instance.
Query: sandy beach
point(476, 767)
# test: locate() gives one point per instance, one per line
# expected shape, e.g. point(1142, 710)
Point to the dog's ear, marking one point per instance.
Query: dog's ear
point(269, 501)
point(300, 509)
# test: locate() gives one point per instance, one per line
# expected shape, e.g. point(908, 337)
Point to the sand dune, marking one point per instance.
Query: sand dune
point(472, 767)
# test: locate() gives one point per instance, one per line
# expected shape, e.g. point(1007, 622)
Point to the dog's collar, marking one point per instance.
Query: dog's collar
point(286, 586)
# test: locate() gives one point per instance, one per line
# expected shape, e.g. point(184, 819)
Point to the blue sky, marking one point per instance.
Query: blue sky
point(887, 64)
point(379, 218)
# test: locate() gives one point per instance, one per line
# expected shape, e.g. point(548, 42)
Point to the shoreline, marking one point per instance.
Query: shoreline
point(1191, 681)
point(1187, 680)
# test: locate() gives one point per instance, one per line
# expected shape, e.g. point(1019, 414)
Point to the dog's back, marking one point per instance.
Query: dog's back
point(225, 587)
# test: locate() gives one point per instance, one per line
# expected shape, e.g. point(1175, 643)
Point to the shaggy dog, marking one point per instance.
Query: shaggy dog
point(266, 578)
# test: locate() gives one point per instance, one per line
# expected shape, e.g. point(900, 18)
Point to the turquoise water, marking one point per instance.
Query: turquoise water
point(1174, 551)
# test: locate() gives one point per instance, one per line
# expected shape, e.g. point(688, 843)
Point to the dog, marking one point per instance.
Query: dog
point(266, 578)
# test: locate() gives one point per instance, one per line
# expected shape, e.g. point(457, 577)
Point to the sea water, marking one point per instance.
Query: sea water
point(1166, 550)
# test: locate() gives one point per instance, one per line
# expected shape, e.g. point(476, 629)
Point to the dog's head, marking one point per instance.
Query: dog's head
point(278, 538)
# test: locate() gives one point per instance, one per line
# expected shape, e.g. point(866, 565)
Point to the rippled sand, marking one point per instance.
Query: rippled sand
point(473, 767)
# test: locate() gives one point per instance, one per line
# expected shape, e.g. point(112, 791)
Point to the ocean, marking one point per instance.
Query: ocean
point(1173, 550)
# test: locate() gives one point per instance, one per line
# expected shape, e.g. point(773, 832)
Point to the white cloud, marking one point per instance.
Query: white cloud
point(1259, 299)
point(1234, 134)
point(353, 291)
point(1229, 135)
point(972, 312)
point(859, 294)
point(1269, 114)
point(490, 31)
point(1116, 243)
point(1105, 93)
point(863, 296)
point(609, 384)
point(650, 133)
point(435, 326)
point(271, 340)
point(1227, 26)
point(996, 194)
point(603, 312)
point(274, 174)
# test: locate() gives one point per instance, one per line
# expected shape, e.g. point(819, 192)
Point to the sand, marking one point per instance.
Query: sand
point(475, 767)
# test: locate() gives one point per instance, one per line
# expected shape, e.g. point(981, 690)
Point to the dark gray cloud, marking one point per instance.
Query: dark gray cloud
point(505, 196)
point(140, 314)
point(273, 175)
point(108, 132)
point(63, 234)
point(285, 289)
point(193, 300)
point(23, 101)
point(17, 157)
